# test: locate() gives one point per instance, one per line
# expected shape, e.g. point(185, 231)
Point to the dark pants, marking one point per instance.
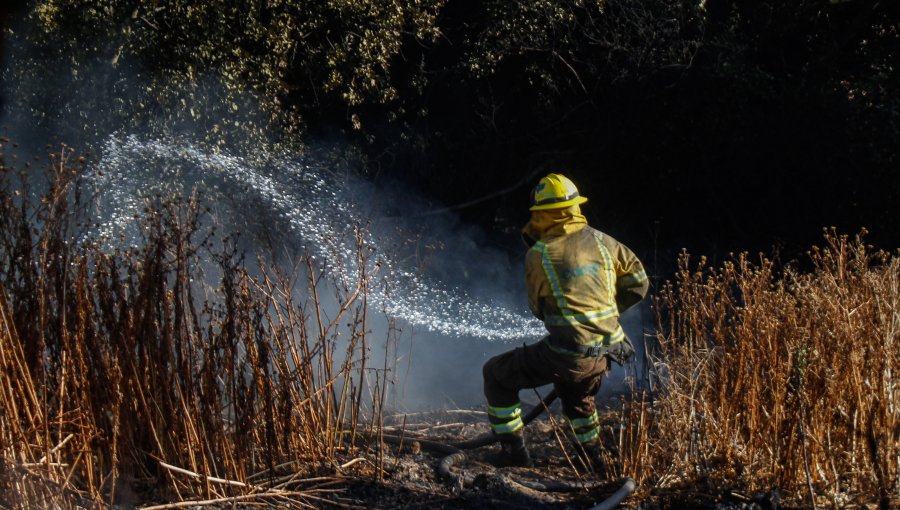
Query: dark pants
point(576, 380)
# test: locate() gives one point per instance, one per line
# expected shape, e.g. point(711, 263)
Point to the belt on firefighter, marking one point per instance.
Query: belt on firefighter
point(598, 348)
point(587, 351)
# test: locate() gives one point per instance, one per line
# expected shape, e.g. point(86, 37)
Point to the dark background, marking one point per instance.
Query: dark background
point(755, 142)
point(730, 126)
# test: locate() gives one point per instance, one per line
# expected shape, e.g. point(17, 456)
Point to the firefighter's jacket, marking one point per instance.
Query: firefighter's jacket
point(579, 280)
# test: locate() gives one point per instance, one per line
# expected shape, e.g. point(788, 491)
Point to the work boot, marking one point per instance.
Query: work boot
point(513, 452)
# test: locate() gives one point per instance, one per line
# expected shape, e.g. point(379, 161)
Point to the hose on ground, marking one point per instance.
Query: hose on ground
point(617, 497)
point(485, 439)
point(554, 486)
point(454, 453)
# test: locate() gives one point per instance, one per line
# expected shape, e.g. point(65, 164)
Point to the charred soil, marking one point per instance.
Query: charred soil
point(406, 475)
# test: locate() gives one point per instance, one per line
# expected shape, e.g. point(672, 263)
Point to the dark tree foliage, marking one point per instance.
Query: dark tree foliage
point(715, 125)
point(712, 124)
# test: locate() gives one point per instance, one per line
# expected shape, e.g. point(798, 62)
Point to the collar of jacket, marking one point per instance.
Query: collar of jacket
point(551, 223)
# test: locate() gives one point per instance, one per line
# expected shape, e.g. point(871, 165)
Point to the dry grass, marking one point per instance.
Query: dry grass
point(124, 377)
point(783, 380)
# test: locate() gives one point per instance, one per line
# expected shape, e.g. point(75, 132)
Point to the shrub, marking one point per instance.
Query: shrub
point(123, 371)
point(783, 380)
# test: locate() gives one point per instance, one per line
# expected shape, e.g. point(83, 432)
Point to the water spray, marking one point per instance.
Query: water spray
point(314, 206)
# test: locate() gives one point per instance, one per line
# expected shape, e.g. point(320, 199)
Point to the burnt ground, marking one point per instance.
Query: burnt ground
point(409, 478)
point(385, 475)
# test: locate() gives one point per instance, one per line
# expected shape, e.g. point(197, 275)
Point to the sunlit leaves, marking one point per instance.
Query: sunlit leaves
point(341, 46)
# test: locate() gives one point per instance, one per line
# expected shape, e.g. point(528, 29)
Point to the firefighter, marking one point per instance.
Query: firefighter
point(579, 281)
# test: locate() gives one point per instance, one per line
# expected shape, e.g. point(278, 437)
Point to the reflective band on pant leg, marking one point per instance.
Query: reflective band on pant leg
point(505, 413)
point(590, 421)
point(588, 436)
point(586, 429)
point(508, 427)
point(505, 420)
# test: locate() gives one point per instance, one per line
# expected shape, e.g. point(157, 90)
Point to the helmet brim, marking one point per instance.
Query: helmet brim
point(559, 205)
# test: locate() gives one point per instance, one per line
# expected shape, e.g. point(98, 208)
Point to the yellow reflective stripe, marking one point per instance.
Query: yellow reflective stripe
point(633, 279)
point(508, 427)
point(613, 338)
point(617, 336)
point(512, 411)
point(553, 278)
point(556, 200)
point(588, 436)
point(590, 421)
point(610, 271)
point(581, 318)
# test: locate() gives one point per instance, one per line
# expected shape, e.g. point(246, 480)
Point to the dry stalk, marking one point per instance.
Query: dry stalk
point(745, 347)
point(114, 359)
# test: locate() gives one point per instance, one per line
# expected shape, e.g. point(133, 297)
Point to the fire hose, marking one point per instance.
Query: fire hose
point(454, 453)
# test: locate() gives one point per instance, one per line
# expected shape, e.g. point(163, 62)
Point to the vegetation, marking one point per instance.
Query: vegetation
point(782, 380)
point(799, 99)
point(122, 375)
point(168, 369)
point(172, 369)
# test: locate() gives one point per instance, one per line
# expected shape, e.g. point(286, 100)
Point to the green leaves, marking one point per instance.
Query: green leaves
point(284, 51)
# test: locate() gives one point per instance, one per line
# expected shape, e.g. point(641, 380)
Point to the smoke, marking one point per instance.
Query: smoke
point(298, 196)
point(81, 96)
point(448, 294)
point(456, 300)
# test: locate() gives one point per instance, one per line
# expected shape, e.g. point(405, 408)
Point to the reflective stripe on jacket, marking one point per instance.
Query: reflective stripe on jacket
point(578, 284)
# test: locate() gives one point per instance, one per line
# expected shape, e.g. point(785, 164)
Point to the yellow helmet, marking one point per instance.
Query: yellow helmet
point(555, 191)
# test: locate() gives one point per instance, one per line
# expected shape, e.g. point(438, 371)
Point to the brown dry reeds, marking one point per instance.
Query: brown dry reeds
point(126, 376)
point(783, 380)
